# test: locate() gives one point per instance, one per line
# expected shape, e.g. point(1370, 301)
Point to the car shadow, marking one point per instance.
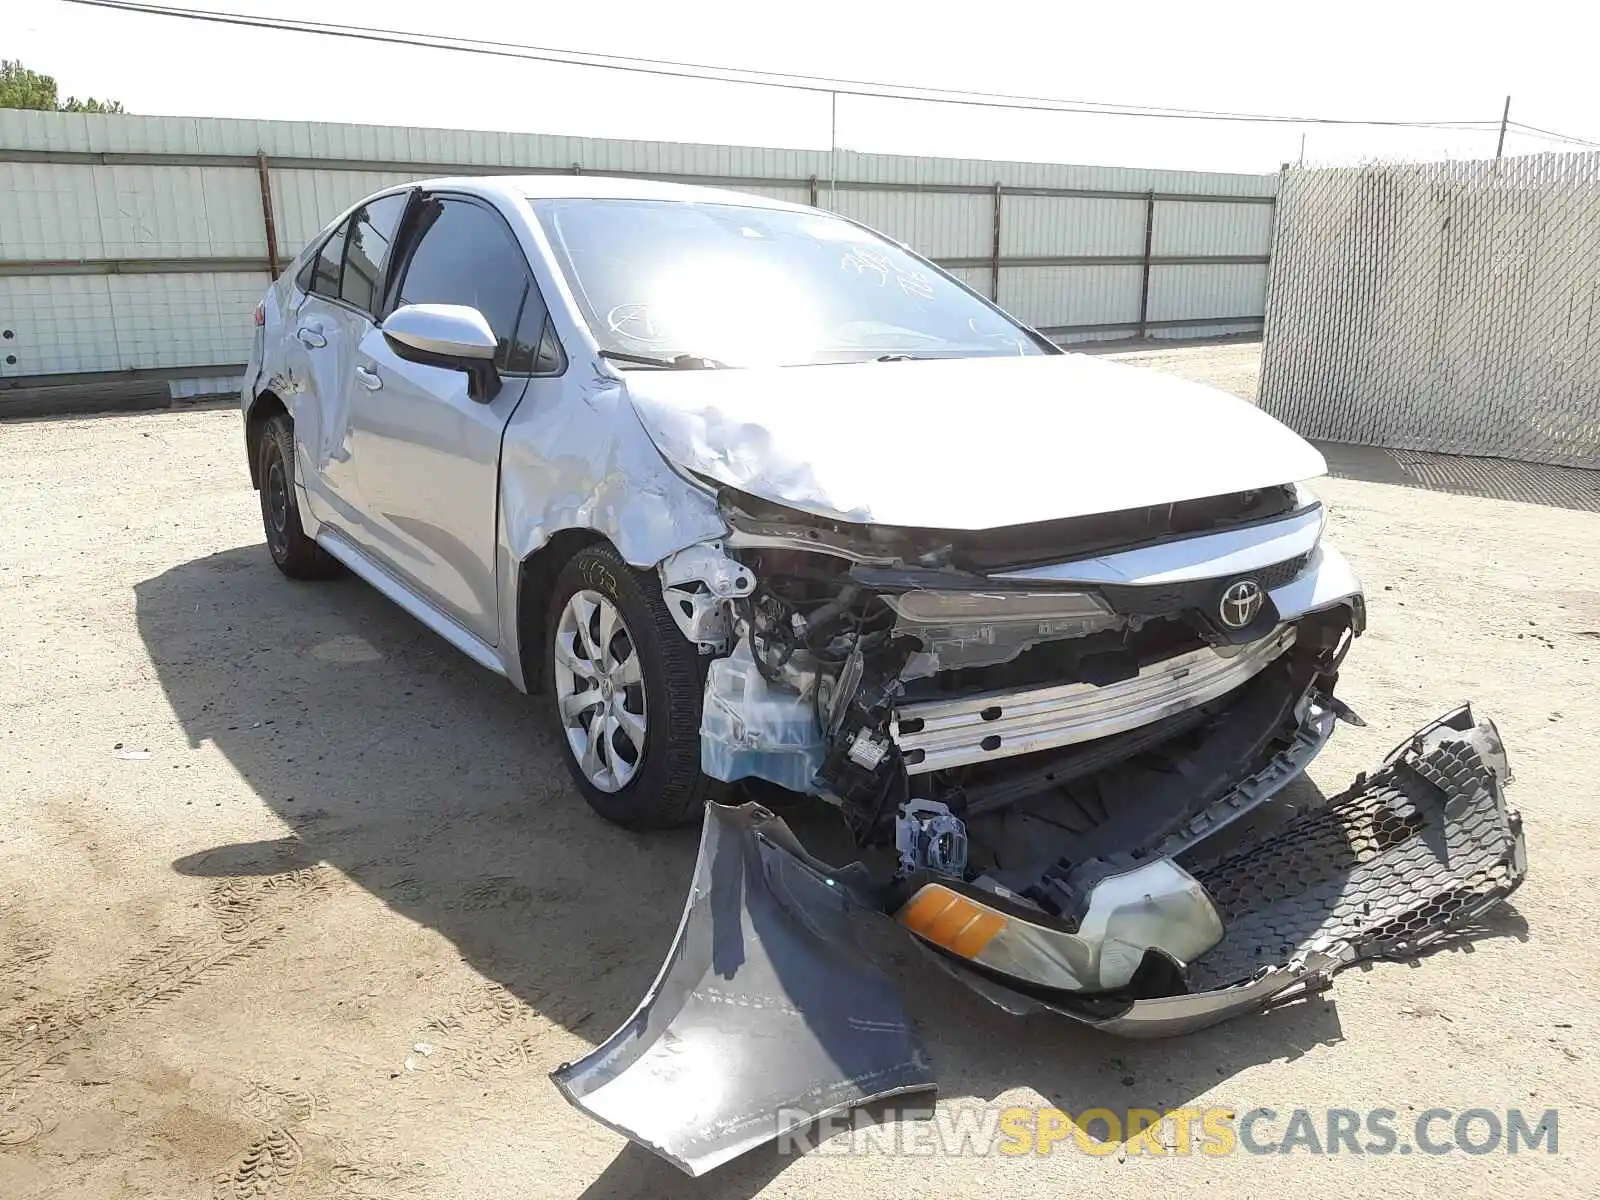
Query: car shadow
point(438, 788)
point(1575, 488)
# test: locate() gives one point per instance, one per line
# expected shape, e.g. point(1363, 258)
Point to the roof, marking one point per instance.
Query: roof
point(605, 187)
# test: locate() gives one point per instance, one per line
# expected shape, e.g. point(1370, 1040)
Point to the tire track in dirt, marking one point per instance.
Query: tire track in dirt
point(491, 1030)
point(291, 1155)
point(38, 1041)
point(271, 1104)
point(374, 1179)
point(485, 1029)
point(268, 1166)
point(235, 903)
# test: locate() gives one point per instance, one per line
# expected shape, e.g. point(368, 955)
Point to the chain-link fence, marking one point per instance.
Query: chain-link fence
point(1452, 307)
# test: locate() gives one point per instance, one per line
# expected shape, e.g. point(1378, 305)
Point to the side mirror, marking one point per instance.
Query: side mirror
point(455, 336)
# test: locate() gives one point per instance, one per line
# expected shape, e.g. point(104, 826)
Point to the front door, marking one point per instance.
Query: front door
point(427, 454)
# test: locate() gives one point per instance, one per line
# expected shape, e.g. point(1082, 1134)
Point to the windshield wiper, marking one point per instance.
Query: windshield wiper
point(897, 358)
point(678, 362)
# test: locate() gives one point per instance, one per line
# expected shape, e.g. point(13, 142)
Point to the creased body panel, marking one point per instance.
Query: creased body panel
point(575, 457)
point(973, 443)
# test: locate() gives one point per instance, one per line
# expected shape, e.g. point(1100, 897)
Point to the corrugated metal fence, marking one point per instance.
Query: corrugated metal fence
point(137, 246)
point(1451, 307)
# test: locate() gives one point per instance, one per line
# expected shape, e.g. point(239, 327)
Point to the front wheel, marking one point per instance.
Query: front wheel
point(626, 693)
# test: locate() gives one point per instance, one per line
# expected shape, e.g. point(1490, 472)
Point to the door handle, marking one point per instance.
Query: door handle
point(311, 338)
point(368, 379)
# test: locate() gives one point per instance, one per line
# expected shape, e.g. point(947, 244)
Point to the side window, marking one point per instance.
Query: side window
point(550, 358)
point(325, 275)
point(367, 250)
point(466, 255)
point(531, 347)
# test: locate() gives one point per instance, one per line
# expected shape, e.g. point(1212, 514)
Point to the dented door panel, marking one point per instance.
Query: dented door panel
point(324, 361)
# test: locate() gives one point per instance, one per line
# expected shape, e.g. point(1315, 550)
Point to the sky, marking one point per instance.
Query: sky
point(1401, 60)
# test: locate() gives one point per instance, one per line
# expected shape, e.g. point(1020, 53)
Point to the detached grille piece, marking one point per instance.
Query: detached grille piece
point(1422, 848)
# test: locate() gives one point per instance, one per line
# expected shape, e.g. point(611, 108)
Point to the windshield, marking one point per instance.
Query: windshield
point(737, 286)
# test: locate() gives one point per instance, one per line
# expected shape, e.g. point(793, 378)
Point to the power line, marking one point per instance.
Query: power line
point(818, 84)
point(1554, 135)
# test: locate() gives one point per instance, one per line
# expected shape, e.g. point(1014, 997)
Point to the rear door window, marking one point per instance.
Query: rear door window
point(325, 275)
point(367, 246)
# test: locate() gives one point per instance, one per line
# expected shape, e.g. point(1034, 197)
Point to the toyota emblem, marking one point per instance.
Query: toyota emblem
point(1240, 603)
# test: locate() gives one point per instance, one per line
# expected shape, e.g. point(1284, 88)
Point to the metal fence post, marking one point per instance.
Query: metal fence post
point(1144, 280)
point(264, 171)
point(1266, 295)
point(994, 265)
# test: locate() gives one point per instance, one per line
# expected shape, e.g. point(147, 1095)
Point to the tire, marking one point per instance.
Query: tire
point(295, 554)
point(658, 785)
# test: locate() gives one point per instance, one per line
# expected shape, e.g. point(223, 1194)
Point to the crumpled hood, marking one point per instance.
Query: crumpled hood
point(972, 443)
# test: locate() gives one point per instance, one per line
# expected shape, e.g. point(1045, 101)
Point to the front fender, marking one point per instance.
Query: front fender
point(575, 457)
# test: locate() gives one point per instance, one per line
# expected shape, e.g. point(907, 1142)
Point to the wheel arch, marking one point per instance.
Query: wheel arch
point(266, 406)
point(536, 578)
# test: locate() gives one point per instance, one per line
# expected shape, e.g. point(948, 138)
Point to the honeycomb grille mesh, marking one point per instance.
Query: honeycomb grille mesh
point(1424, 846)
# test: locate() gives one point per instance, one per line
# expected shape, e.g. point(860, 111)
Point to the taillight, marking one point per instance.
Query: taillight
point(261, 313)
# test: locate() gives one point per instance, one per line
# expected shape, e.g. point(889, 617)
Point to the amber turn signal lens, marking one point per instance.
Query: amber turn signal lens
point(950, 920)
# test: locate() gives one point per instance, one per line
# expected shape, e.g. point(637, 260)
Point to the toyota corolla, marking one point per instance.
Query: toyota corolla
point(765, 506)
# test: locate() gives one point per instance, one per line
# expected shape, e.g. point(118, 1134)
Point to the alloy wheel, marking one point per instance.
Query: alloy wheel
point(599, 686)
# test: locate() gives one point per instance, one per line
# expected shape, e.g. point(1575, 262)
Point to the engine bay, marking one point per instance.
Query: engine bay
point(1027, 740)
point(1057, 777)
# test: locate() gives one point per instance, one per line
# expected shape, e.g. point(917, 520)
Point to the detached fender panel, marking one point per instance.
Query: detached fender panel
point(764, 1017)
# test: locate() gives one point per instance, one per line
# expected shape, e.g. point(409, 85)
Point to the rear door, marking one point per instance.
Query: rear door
point(341, 287)
point(427, 453)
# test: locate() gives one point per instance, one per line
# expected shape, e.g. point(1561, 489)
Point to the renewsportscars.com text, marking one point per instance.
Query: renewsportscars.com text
point(980, 1130)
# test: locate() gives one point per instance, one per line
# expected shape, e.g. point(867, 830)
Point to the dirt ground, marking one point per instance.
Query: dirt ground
point(297, 901)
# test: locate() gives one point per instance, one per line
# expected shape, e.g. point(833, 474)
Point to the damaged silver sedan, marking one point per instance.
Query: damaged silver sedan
point(769, 507)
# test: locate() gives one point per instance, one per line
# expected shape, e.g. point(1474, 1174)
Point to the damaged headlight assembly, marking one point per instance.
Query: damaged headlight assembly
point(1059, 792)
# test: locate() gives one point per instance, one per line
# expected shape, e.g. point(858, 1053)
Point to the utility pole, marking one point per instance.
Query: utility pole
point(1505, 113)
point(1302, 150)
point(833, 152)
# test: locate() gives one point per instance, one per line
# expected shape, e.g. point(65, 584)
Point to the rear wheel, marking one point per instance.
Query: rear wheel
point(295, 554)
point(626, 693)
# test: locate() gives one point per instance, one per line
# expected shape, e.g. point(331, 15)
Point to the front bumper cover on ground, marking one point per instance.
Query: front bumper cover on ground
point(766, 1016)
